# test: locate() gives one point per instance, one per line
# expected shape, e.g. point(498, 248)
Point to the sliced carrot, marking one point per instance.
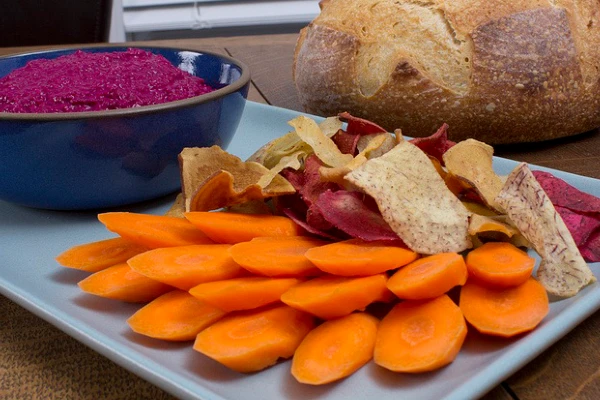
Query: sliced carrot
point(331, 296)
point(356, 257)
point(120, 282)
point(504, 312)
point(174, 316)
point(277, 256)
point(243, 293)
point(187, 266)
point(500, 264)
point(335, 349)
point(250, 341)
point(95, 256)
point(420, 335)
point(429, 277)
point(153, 231)
point(228, 227)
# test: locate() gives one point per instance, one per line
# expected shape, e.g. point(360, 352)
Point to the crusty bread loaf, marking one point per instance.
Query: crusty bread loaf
point(495, 70)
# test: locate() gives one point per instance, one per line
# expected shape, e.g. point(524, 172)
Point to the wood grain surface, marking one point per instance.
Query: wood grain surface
point(38, 361)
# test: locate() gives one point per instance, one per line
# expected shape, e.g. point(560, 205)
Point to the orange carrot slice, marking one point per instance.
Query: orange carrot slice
point(429, 277)
point(95, 256)
point(500, 264)
point(335, 349)
point(277, 256)
point(174, 316)
point(153, 231)
point(187, 266)
point(330, 296)
point(227, 227)
point(420, 335)
point(356, 257)
point(120, 282)
point(243, 293)
point(250, 341)
point(504, 312)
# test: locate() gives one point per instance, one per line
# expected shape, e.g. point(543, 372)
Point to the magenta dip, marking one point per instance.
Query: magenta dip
point(85, 81)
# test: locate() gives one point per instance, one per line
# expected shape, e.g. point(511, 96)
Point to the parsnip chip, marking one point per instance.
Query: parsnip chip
point(414, 200)
point(370, 146)
point(471, 161)
point(177, 208)
point(376, 145)
point(291, 161)
point(562, 271)
point(212, 178)
point(322, 145)
point(271, 153)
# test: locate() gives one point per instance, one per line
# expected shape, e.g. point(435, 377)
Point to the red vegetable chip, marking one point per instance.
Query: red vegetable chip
point(435, 145)
point(308, 181)
point(360, 126)
point(591, 249)
point(581, 226)
point(564, 195)
point(349, 213)
point(295, 209)
point(315, 218)
point(346, 142)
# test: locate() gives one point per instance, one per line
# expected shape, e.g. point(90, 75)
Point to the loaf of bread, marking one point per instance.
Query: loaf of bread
point(495, 70)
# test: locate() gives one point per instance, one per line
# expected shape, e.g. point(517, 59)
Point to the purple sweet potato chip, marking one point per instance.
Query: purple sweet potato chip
point(580, 225)
point(348, 212)
point(360, 126)
point(435, 145)
point(564, 195)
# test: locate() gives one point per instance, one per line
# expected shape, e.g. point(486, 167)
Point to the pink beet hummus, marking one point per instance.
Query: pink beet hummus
point(85, 81)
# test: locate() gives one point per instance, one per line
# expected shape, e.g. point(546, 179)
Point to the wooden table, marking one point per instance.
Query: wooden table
point(37, 361)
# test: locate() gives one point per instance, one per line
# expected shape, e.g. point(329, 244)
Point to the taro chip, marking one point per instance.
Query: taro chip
point(471, 162)
point(564, 195)
point(348, 212)
point(435, 145)
point(562, 271)
point(414, 200)
point(360, 126)
point(322, 145)
point(212, 178)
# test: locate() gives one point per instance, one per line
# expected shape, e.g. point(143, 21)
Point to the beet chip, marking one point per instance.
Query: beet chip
point(581, 226)
point(308, 181)
point(564, 195)
point(591, 249)
point(346, 142)
point(435, 145)
point(349, 213)
point(360, 126)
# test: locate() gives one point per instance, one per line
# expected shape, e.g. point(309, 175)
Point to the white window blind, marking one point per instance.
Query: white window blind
point(160, 15)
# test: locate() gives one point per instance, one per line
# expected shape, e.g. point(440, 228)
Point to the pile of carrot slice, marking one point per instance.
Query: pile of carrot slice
point(251, 290)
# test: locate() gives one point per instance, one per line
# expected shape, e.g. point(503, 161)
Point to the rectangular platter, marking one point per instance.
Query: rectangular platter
point(30, 276)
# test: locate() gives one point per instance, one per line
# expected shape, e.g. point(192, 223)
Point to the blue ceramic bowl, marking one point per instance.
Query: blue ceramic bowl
point(89, 160)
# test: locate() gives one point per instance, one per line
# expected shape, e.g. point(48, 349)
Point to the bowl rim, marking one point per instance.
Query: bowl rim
point(128, 112)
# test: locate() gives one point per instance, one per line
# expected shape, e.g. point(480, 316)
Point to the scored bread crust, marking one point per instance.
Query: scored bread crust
point(497, 71)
